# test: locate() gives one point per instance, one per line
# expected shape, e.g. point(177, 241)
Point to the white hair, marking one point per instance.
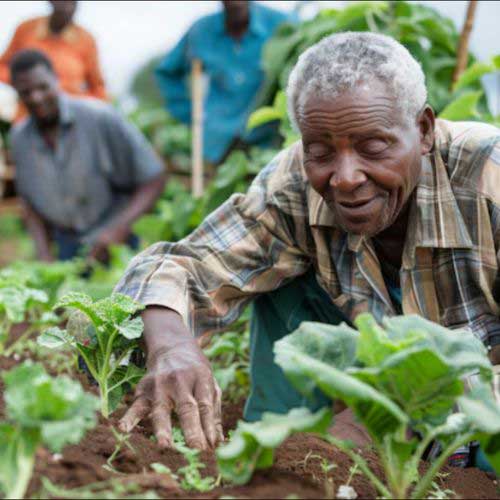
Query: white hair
point(343, 61)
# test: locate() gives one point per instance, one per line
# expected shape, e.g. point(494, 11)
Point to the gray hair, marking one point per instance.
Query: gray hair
point(342, 61)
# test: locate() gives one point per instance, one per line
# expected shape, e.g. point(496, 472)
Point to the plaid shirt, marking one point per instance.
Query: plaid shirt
point(258, 241)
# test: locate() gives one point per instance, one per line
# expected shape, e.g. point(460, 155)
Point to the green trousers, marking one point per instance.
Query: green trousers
point(275, 315)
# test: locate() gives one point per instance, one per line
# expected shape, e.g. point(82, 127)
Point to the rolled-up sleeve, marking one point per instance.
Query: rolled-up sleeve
point(244, 248)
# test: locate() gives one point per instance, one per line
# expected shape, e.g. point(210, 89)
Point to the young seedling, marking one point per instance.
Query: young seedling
point(122, 440)
point(40, 410)
point(190, 474)
point(406, 375)
point(104, 337)
point(19, 303)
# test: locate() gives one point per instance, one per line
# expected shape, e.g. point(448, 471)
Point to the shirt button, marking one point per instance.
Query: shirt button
point(239, 78)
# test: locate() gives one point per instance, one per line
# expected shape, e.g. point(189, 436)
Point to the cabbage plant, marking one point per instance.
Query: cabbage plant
point(41, 410)
point(404, 381)
point(104, 333)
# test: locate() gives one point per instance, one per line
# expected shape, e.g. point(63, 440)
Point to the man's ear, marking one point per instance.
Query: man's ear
point(426, 121)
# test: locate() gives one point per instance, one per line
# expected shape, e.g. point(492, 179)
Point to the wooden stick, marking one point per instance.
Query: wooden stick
point(197, 128)
point(463, 43)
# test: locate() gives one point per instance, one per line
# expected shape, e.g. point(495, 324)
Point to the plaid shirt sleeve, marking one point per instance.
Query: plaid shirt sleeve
point(253, 243)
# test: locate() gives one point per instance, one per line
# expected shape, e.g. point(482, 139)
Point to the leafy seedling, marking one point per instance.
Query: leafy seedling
point(122, 441)
point(190, 474)
point(20, 303)
point(406, 375)
point(41, 410)
point(104, 333)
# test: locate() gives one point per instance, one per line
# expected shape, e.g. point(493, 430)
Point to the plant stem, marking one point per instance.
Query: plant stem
point(425, 483)
point(103, 392)
point(360, 462)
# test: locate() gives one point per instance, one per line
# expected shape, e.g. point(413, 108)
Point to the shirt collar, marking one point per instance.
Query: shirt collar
point(69, 33)
point(435, 219)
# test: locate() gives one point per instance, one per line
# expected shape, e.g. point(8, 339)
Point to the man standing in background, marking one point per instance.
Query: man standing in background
point(71, 50)
point(229, 45)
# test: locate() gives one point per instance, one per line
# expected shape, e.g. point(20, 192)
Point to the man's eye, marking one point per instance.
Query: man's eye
point(317, 150)
point(373, 146)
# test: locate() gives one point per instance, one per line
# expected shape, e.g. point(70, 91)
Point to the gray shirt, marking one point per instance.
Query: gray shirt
point(99, 161)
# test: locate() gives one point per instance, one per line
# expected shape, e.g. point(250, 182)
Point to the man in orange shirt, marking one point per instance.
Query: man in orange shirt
point(71, 49)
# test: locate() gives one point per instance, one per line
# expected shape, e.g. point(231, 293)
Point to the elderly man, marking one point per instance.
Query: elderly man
point(229, 45)
point(84, 173)
point(378, 208)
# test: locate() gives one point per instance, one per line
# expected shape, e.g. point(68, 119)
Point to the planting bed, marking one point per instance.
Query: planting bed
point(297, 470)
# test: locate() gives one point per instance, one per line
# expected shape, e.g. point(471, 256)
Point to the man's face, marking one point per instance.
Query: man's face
point(63, 12)
point(362, 157)
point(236, 9)
point(38, 89)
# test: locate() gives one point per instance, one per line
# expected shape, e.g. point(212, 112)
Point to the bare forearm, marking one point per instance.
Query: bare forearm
point(163, 329)
point(142, 200)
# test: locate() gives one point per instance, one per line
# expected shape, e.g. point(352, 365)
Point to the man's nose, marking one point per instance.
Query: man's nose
point(347, 175)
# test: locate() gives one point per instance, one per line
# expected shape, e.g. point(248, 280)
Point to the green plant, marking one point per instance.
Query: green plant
point(190, 474)
point(252, 444)
point(429, 36)
point(402, 379)
point(20, 303)
point(41, 410)
point(122, 440)
point(105, 336)
point(229, 355)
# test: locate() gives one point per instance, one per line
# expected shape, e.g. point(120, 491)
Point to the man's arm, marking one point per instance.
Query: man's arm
point(39, 232)
point(201, 284)
point(118, 231)
point(12, 48)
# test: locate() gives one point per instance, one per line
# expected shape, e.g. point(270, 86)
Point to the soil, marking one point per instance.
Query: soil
point(297, 470)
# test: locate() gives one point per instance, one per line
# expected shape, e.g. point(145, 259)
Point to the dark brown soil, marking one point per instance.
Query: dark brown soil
point(297, 470)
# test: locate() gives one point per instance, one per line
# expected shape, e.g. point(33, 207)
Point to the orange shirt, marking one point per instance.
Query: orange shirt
point(73, 53)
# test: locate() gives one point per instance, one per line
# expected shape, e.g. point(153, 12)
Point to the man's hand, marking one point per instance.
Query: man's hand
point(112, 235)
point(179, 379)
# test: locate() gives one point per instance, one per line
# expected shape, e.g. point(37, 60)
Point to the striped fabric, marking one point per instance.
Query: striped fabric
point(259, 241)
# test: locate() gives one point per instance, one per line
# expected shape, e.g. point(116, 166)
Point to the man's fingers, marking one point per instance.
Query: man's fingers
point(135, 414)
point(218, 414)
point(161, 417)
point(204, 396)
point(189, 418)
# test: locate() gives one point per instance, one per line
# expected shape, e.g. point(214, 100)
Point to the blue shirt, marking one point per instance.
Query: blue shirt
point(234, 75)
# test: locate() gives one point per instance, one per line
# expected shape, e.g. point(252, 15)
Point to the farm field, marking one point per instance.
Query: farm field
point(299, 470)
point(71, 352)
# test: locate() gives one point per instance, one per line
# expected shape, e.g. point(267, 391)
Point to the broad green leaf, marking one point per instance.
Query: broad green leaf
point(375, 410)
point(54, 338)
point(472, 74)
point(131, 328)
point(463, 107)
point(375, 344)
point(252, 444)
point(81, 302)
point(460, 349)
point(334, 345)
point(263, 115)
point(17, 458)
point(481, 408)
point(225, 376)
point(116, 308)
point(418, 380)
